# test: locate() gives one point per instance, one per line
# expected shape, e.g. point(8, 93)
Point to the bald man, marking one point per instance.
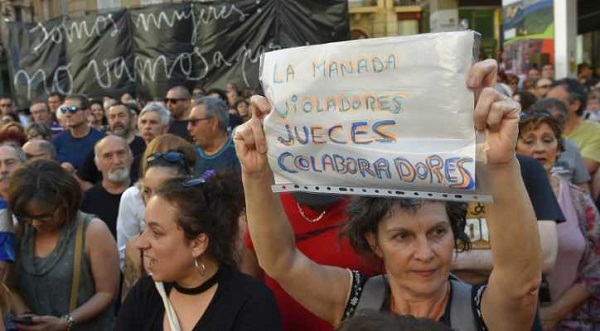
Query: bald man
point(113, 158)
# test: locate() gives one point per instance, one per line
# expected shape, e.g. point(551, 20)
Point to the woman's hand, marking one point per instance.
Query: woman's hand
point(250, 140)
point(495, 113)
point(45, 323)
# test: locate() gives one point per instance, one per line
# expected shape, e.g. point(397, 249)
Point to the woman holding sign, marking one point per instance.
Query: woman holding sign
point(414, 238)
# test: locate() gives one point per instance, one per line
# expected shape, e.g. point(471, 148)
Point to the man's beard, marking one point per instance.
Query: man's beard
point(119, 175)
point(120, 131)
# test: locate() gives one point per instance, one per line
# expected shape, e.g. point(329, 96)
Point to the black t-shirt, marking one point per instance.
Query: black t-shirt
point(103, 204)
point(540, 192)
point(179, 128)
point(90, 173)
point(240, 303)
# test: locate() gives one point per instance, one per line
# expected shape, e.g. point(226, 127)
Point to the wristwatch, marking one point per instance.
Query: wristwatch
point(70, 322)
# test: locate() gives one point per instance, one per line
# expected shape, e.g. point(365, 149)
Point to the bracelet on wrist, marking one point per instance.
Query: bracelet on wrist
point(70, 322)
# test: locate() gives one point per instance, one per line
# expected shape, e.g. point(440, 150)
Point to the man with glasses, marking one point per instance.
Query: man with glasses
point(207, 125)
point(12, 158)
point(79, 139)
point(39, 149)
point(178, 101)
point(40, 113)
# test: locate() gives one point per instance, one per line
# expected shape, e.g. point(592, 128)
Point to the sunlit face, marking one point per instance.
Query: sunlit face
point(75, 120)
point(150, 126)
point(40, 113)
point(153, 178)
point(200, 126)
point(113, 159)
point(416, 248)
point(542, 86)
point(540, 144)
point(97, 111)
point(177, 103)
point(119, 120)
point(9, 163)
point(168, 255)
point(53, 103)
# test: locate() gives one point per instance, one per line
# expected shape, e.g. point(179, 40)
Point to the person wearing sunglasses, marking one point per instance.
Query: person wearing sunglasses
point(190, 252)
point(79, 139)
point(575, 279)
point(207, 125)
point(178, 101)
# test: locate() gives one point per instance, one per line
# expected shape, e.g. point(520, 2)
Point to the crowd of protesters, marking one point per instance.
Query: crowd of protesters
point(119, 213)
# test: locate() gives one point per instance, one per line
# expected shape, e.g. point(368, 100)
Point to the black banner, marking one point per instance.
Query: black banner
point(147, 50)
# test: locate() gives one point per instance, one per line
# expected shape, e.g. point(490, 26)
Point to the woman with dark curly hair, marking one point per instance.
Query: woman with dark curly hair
point(414, 238)
point(189, 247)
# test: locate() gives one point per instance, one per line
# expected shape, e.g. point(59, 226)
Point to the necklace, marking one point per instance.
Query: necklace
point(308, 219)
point(199, 289)
point(438, 309)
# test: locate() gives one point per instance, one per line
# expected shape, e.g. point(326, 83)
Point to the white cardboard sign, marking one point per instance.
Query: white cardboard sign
point(388, 113)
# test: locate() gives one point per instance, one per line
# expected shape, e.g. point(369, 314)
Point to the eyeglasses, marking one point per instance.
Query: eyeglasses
point(32, 156)
point(5, 105)
point(543, 86)
point(194, 121)
point(174, 100)
point(40, 218)
point(70, 109)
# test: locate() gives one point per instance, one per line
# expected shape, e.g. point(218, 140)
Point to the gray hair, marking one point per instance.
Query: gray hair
point(157, 107)
point(97, 146)
point(215, 107)
point(555, 107)
point(18, 149)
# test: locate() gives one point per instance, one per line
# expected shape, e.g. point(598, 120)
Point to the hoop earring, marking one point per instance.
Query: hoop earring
point(201, 267)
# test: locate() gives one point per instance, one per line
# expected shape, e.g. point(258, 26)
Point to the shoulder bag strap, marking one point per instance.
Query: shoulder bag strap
point(461, 310)
point(77, 254)
point(373, 294)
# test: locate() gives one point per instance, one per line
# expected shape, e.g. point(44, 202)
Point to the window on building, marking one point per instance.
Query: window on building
point(106, 5)
point(150, 2)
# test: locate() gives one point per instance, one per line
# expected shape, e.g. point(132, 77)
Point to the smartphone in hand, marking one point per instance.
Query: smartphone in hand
point(23, 319)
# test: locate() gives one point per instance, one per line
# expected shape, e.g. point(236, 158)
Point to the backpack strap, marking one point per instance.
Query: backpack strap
point(373, 294)
point(461, 310)
point(462, 316)
point(77, 256)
